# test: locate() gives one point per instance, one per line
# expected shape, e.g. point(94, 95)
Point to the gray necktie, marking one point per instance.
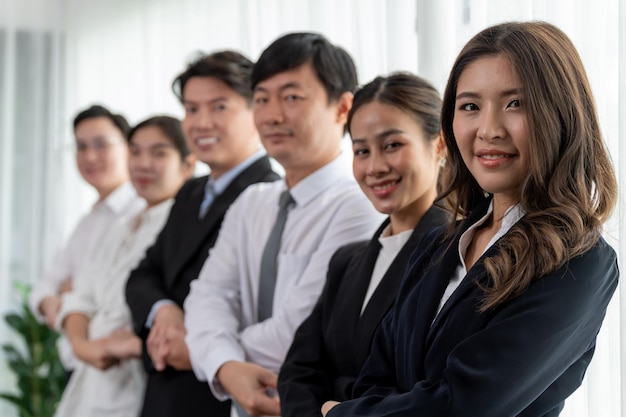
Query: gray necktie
point(269, 263)
point(209, 196)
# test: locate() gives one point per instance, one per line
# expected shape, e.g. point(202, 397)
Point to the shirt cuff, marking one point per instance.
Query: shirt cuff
point(155, 307)
point(73, 303)
point(208, 369)
point(34, 300)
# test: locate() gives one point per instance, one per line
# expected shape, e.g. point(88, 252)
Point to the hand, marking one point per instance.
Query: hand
point(124, 344)
point(177, 354)
point(327, 406)
point(248, 384)
point(94, 353)
point(49, 307)
point(168, 321)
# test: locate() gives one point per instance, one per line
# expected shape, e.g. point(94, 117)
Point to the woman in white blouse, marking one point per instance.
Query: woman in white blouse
point(109, 379)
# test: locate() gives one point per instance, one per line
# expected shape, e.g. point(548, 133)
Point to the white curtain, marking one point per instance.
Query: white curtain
point(59, 56)
point(32, 163)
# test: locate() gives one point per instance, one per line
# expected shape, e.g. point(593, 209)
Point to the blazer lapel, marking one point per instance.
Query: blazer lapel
point(190, 233)
point(386, 293)
point(195, 230)
point(475, 276)
point(432, 287)
point(358, 283)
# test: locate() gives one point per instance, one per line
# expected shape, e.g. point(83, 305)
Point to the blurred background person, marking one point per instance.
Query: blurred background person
point(102, 160)
point(109, 379)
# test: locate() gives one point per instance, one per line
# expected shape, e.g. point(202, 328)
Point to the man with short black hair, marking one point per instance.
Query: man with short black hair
point(269, 264)
point(219, 128)
point(102, 161)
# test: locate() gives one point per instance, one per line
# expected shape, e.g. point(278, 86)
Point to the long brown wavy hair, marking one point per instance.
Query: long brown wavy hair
point(571, 189)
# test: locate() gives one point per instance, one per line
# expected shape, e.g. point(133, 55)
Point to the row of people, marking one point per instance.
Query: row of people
point(94, 315)
point(480, 294)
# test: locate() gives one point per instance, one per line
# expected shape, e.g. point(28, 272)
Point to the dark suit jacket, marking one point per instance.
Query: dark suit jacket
point(331, 345)
point(169, 266)
point(522, 358)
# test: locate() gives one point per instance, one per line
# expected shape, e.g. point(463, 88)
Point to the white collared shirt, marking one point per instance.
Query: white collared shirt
point(83, 246)
point(99, 292)
point(212, 190)
point(221, 310)
point(215, 187)
point(99, 295)
point(511, 216)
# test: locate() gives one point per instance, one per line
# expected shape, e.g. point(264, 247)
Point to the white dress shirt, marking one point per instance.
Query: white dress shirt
point(83, 248)
point(212, 190)
point(99, 295)
point(221, 310)
point(84, 243)
point(511, 216)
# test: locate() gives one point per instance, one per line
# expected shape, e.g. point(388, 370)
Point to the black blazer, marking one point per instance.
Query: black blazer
point(166, 271)
point(522, 358)
point(331, 345)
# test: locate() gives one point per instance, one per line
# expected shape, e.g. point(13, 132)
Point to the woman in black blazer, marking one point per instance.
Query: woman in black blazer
point(499, 316)
point(398, 149)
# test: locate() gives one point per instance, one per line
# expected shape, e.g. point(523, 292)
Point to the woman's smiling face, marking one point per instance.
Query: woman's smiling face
point(491, 126)
point(395, 164)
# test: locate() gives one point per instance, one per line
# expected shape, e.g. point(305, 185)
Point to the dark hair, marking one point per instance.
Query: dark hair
point(171, 128)
point(570, 189)
point(333, 65)
point(99, 111)
point(407, 92)
point(230, 67)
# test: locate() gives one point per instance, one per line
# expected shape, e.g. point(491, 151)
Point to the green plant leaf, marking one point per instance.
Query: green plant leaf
point(12, 353)
point(16, 322)
point(39, 373)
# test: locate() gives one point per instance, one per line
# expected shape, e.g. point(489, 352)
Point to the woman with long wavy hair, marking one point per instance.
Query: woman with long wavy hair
point(499, 316)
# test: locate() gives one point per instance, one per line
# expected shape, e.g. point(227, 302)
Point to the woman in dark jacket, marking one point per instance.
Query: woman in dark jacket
point(398, 153)
point(499, 317)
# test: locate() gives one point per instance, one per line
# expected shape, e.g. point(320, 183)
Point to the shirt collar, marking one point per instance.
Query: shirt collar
point(321, 180)
point(118, 199)
point(511, 216)
point(159, 210)
point(397, 240)
point(217, 186)
point(150, 214)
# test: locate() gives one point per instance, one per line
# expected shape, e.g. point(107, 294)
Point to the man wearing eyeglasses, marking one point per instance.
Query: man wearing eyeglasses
point(102, 160)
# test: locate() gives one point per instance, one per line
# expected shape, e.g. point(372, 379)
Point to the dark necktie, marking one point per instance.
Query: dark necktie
point(269, 264)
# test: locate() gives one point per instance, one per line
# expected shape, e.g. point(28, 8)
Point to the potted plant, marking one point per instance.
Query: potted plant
point(34, 360)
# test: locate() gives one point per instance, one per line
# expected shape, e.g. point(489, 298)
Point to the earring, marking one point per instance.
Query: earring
point(442, 162)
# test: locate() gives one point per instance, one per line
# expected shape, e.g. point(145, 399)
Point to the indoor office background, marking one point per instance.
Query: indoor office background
point(59, 56)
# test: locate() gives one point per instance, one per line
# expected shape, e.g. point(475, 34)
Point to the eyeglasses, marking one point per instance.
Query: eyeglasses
point(99, 145)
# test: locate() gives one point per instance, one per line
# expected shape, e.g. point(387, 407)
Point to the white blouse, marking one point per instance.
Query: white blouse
point(511, 216)
point(390, 246)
